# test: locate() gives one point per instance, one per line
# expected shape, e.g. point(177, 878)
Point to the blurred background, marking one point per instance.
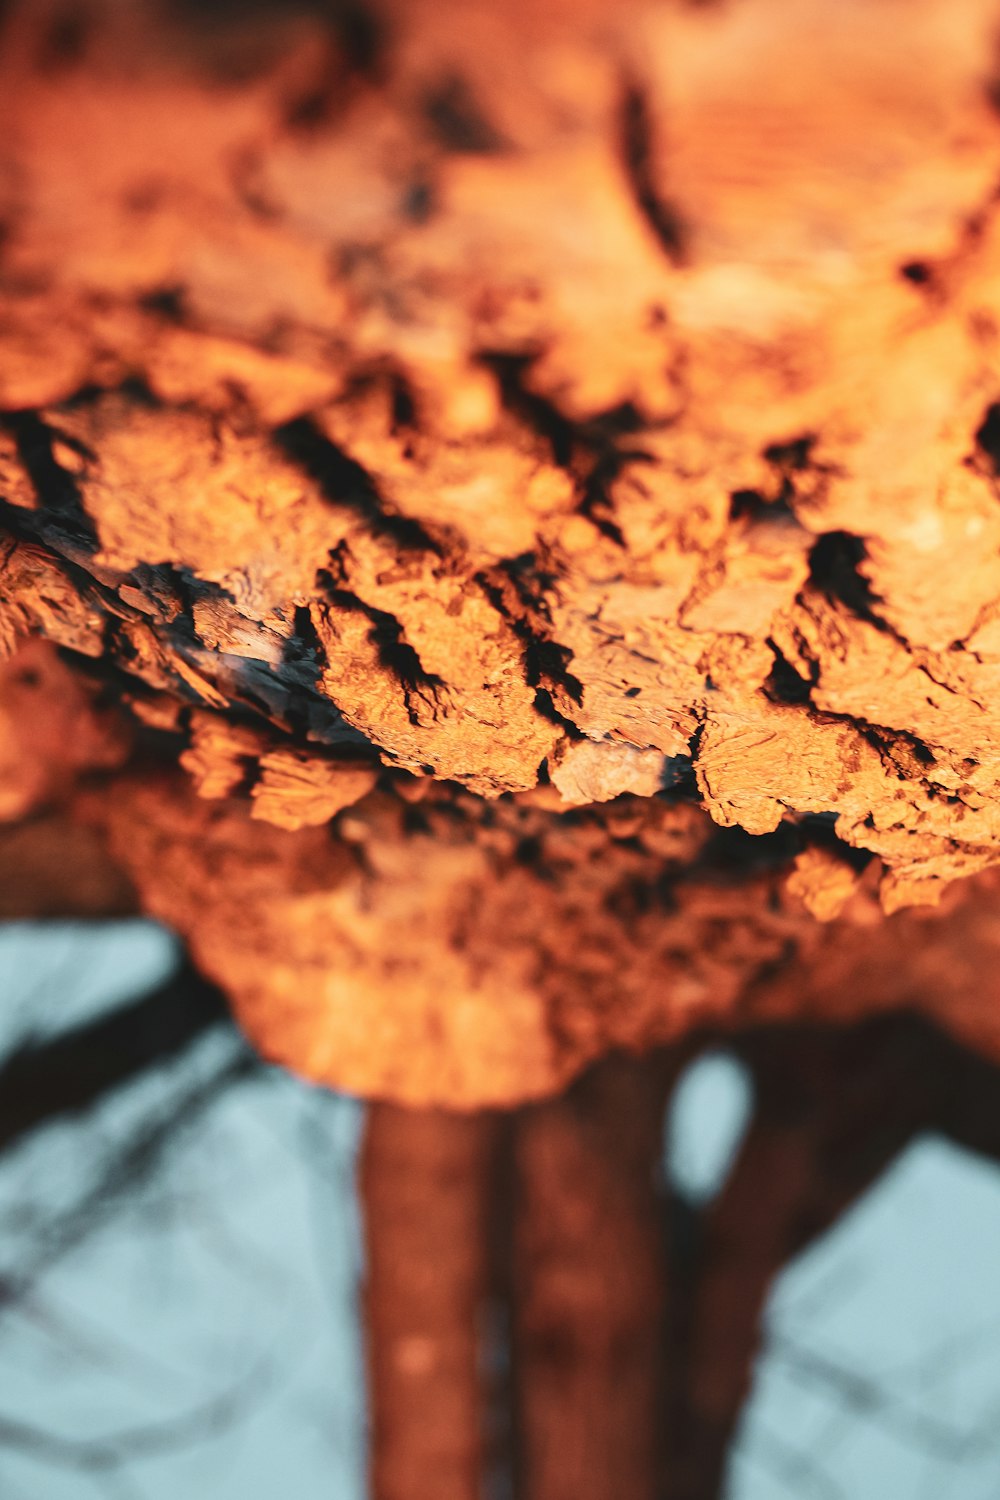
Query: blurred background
point(182, 1251)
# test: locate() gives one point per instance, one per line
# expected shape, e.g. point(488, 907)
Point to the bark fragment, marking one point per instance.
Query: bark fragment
point(532, 413)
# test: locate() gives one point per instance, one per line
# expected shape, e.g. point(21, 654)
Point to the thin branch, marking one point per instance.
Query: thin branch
point(125, 1170)
point(790, 1464)
point(143, 1440)
point(868, 1396)
point(77, 1069)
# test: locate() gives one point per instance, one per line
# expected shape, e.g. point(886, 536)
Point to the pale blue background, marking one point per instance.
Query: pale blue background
point(199, 1323)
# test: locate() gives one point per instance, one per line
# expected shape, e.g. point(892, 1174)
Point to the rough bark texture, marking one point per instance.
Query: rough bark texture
point(535, 468)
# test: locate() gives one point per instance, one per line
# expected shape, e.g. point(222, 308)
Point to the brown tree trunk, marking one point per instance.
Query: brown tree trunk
point(589, 1289)
point(832, 1111)
point(425, 1180)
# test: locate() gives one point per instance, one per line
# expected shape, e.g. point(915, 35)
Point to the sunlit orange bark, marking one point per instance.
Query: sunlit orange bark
point(588, 1289)
point(425, 1184)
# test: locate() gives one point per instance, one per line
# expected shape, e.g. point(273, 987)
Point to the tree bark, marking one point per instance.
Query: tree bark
point(589, 1289)
point(425, 1179)
point(832, 1110)
point(558, 415)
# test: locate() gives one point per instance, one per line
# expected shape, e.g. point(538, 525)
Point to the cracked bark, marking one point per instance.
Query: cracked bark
point(499, 536)
point(609, 458)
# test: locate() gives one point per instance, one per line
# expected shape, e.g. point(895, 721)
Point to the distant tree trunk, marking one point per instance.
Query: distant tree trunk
point(731, 1262)
point(631, 1349)
point(832, 1110)
point(589, 1289)
point(425, 1178)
